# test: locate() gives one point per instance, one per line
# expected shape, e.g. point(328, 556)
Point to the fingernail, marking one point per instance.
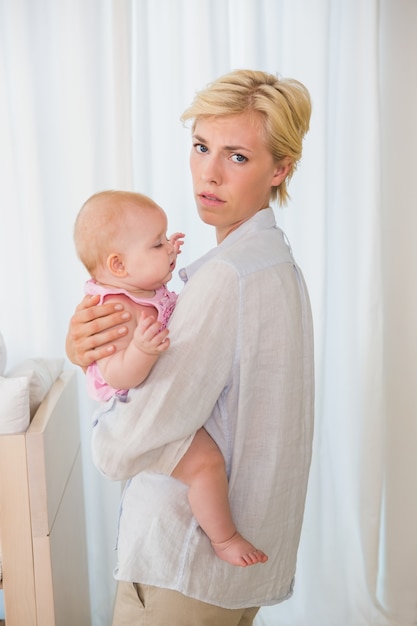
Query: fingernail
point(118, 307)
point(125, 316)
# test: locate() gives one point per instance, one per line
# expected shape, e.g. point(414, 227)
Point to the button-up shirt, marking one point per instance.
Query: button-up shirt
point(241, 364)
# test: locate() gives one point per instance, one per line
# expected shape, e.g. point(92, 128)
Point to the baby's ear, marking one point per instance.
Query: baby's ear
point(115, 265)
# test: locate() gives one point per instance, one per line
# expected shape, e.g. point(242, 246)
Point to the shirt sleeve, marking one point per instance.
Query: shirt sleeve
point(157, 423)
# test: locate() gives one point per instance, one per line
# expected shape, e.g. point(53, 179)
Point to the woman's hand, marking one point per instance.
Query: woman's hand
point(92, 329)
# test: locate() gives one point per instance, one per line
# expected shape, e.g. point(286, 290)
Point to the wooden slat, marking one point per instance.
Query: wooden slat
point(15, 528)
point(44, 584)
point(52, 445)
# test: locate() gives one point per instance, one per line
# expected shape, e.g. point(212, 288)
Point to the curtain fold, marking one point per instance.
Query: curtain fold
point(91, 95)
point(397, 588)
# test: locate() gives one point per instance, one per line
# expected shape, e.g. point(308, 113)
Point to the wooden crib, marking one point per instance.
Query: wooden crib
point(42, 527)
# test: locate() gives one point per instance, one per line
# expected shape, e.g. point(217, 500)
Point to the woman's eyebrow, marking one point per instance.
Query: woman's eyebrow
point(229, 148)
point(198, 138)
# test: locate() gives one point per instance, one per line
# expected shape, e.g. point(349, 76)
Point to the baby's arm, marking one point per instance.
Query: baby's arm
point(138, 352)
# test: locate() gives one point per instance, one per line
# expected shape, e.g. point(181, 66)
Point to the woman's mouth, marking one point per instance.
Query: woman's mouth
point(210, 199)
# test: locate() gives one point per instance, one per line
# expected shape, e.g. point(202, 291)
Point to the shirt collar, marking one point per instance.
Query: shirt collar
point(262, 220)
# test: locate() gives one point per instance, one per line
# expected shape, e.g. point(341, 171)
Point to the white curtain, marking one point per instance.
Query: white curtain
point(90, 97)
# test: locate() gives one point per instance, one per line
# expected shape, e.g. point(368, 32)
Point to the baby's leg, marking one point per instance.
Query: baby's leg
point(202, 468)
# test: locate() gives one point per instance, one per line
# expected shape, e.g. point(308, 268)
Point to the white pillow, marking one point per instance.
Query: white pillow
point(3, 356)
point(41, 373)
point(14, 404)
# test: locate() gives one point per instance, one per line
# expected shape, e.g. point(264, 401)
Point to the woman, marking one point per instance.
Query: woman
point(240, 362)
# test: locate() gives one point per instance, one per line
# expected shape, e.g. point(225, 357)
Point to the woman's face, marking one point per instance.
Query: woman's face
point(232, 170)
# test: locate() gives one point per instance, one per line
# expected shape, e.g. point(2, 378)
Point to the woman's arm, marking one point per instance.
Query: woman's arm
point(181, 391)
point(93, 328)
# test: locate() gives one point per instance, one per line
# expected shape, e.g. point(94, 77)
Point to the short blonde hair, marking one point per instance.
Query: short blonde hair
point(100, 222)
point(284, 105)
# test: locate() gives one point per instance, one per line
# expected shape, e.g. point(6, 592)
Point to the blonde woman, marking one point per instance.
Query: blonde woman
point(240, 363)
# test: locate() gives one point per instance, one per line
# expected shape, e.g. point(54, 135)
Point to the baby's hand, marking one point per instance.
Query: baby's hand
point(149, 338)
point(177, 240)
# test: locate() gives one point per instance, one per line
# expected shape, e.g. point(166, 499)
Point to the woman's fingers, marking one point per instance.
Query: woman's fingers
point(92, 330)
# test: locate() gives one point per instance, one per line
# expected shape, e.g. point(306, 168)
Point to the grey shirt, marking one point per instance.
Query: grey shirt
point(240, 363)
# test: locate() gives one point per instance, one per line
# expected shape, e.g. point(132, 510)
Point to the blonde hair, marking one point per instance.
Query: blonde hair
point(283, 103)
point(100, 222)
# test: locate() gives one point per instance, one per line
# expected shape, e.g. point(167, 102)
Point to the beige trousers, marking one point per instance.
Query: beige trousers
point(143, 605)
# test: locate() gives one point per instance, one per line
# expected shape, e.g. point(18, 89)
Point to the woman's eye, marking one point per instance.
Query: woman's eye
point(200, 147)
point(239, 158)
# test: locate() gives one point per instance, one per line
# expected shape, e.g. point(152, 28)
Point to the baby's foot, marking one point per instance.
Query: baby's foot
point(238, 551)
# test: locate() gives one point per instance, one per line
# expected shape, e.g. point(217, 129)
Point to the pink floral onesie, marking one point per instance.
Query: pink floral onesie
point(163, 301)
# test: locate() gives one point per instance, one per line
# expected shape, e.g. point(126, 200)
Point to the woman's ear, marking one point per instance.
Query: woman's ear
point(115, 265)
point(282, 170)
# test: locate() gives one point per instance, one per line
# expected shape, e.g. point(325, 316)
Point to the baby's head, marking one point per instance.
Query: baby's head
point(112, 230)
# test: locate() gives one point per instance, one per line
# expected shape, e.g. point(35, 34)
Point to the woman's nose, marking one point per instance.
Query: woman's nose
point(211, 171)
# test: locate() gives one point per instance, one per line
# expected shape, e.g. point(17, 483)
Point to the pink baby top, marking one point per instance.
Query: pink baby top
point(163, 301)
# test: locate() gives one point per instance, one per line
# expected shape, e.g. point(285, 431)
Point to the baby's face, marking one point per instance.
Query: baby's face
point(148, 256)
